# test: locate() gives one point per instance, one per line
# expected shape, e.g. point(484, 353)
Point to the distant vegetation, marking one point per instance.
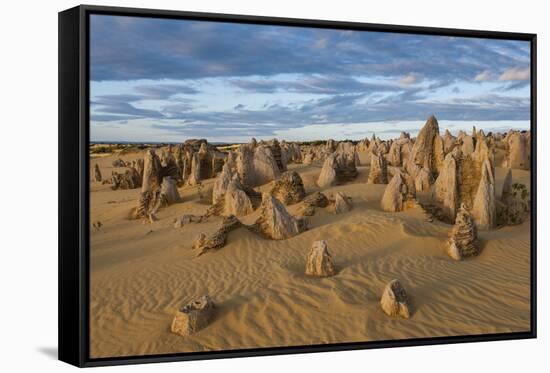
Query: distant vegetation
point(101, 149)
point(322, 142)
point(111, 148)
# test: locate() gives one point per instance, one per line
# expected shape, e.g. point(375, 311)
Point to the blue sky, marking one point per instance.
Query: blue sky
point(169, 80)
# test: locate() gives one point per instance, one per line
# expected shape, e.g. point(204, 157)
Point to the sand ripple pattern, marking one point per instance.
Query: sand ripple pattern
point(139, 279)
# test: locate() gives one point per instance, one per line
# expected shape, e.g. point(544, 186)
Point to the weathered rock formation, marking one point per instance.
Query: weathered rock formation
point(188, 218)
point(446, 186)
point(289, 189)
point(460, 181)
point(330, 146)
point(518, 152)
point(378, 173)
point(265, 166)
point(204, 243)
point(462, 242)
point(448, 142)
point(506, 185)
point(395, 301)
point(128, 180)
point(515, 202)
point(150, 188)
point(167, 157)
point(195, 160)
point(363, 145)
point(118, 163)
point(180, 159)
point(97, 173)
point(342, 203)
point(201, 165)
point(236, 201)
point(218, 160)
point(169, 191)
point(423, 180)
point(275, 222)
point(319, 261)
point(346, 147)
point(399, 195)
point(222, 183)
point(308, 158)
point(467, 144)
point(194, 316)
point(244, 164)
point(195, 172)
point(338, 168)
point(151, 197)
point(278, 155)
point(427, 151)
point(399, 152)
point(256, 166)
point(327, 177)
point(484, 208)
point(292, 152)
point(310, 202)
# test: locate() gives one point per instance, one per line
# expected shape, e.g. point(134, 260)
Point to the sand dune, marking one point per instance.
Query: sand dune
point(142, 273)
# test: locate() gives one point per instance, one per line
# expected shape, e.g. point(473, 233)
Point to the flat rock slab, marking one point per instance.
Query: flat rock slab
point(194, 316)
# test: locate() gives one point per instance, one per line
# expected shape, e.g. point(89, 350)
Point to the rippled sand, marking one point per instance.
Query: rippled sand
point(142, 273)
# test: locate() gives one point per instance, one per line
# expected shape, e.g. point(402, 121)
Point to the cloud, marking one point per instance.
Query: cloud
point(514, 74)
point(513, 85)
point(409, 79)
point(116, 98)
point(131, 48)
point(483, 76)
point(245, 79)
point(321, 43)
point(111, 118)
point(106, 106)
point(177, 108)
point(317, 84)
point(346, 109)
point(164, 91)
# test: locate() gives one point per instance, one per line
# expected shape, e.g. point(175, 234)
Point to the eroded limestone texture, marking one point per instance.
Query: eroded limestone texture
point(319, 261)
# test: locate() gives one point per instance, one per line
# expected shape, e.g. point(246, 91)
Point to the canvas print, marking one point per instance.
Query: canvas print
point(259, 186)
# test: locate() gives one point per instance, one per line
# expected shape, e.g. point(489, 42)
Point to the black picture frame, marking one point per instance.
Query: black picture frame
point(74, 184)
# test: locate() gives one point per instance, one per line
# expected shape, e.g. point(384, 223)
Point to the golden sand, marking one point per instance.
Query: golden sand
point(142, 273)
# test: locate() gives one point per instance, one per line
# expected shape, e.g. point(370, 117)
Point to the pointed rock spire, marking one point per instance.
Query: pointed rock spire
point(237, 201)
point(507, 185)
point(446, 186)
point(518, 151)
point(222, 182)
point(97, 173)
point(327, 177)
point(275, 222)
point(427, 150)
point(396, 194)
point(264, 165)
point(149, 200)
point(319, 261)
point(395, 301)
point(462, 242)
point(378, 170)
point(484, 209)
point(342, 203)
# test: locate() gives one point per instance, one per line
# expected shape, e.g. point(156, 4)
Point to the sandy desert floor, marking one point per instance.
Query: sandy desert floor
point(142, 273)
